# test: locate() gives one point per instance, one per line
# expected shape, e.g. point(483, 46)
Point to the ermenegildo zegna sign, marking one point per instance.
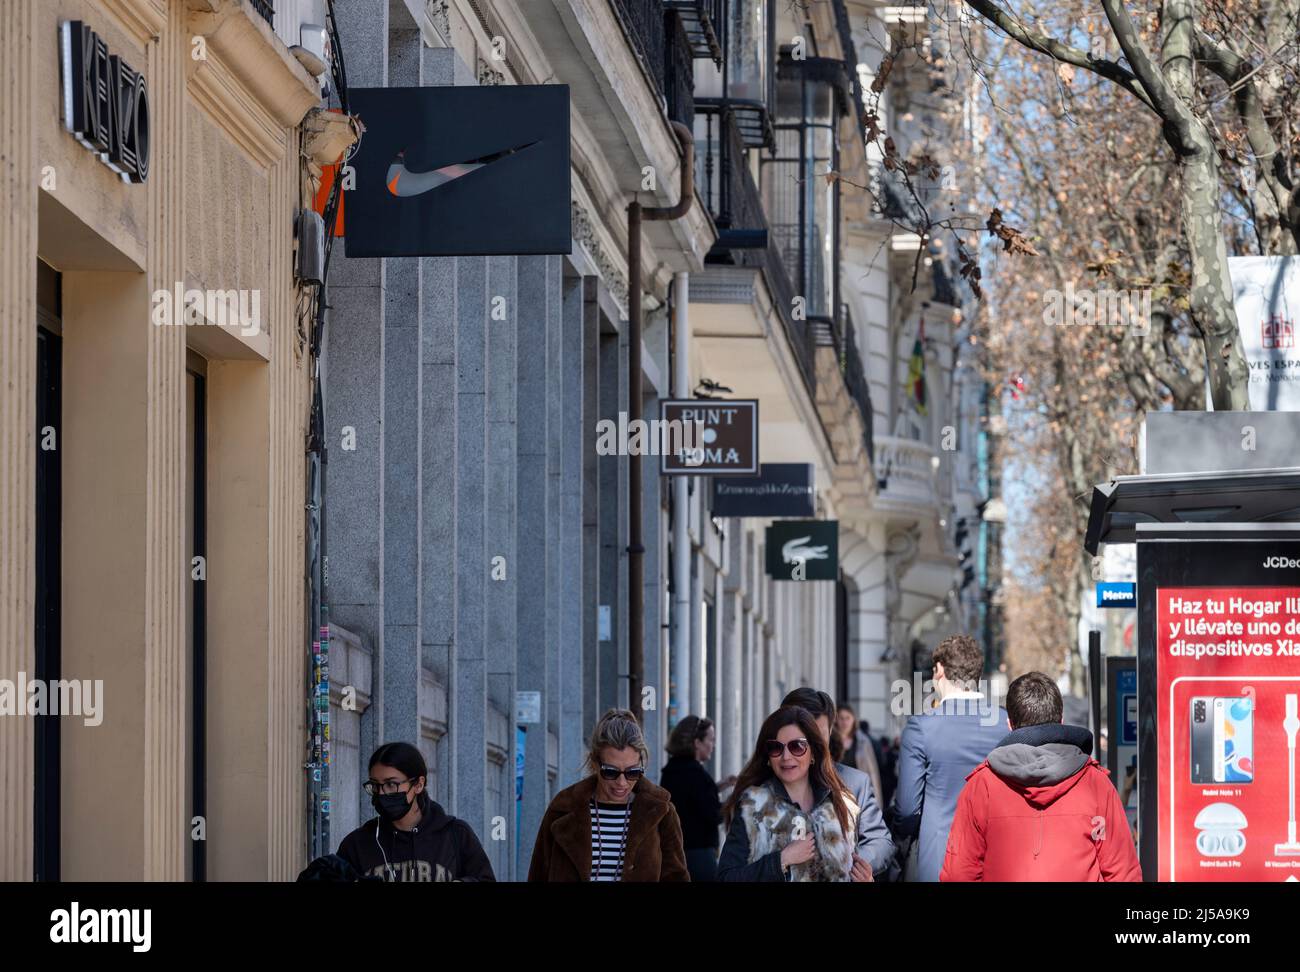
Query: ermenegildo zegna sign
point(461, 171)
point(105, 101)
point(779, 489)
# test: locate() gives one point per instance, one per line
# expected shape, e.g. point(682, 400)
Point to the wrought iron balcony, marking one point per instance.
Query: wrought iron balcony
point(745, 81)
point(734, 202)
point(798, 332)
point(705, 24)
point(266, 8)
point(855, 378)
point(679, 71)
point(726, 184)
point(905, 472)
point(662, 44)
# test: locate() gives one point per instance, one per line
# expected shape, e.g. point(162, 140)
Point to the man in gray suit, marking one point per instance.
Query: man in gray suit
point(876, 846)
point(941, 747)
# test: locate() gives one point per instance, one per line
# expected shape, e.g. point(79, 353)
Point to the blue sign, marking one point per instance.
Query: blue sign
point(1126, 685)
point(1117, 594)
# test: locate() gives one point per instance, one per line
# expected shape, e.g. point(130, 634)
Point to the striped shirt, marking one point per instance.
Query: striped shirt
point(609, 822)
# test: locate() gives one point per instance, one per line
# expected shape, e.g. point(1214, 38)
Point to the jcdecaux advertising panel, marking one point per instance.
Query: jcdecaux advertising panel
point(1226, 660)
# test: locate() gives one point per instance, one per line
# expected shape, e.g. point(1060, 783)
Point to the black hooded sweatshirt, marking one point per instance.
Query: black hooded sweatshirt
point(439, 848)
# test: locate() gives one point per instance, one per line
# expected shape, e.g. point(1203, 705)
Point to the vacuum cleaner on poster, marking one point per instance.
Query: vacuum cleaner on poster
point(1226, 686)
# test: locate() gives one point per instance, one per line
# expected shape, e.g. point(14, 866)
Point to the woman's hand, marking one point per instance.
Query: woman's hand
point(861, 871)
point(798, 851)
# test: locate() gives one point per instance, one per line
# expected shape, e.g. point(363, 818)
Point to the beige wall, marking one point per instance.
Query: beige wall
point(217, 211)
point(17, 422)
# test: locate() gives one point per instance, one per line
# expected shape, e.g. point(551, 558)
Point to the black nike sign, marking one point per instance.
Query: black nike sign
point(461, 171)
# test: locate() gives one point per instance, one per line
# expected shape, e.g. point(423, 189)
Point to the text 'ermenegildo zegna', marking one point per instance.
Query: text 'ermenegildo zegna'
point(74, 926)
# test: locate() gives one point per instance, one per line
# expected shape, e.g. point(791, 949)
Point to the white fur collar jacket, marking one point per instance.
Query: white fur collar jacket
point(765, 822)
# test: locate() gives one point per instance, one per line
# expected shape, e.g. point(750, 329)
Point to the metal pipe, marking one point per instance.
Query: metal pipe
point(635, 549)
point(682, 648)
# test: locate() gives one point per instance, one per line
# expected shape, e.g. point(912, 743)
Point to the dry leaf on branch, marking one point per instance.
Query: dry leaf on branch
point(1013, 241)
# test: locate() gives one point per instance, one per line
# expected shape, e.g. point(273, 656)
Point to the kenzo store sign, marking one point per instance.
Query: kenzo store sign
point(105, 102)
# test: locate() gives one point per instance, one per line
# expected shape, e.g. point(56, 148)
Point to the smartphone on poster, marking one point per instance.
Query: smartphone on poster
point(1222, 739)
point(1203, 748)
point(1235, 719)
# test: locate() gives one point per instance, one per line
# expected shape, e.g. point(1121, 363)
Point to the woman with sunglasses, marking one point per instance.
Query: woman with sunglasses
point(412, 838)
point(789, 817)
point(613, 825)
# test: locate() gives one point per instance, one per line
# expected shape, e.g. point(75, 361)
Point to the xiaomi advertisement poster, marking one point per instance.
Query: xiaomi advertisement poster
point(1227, 687)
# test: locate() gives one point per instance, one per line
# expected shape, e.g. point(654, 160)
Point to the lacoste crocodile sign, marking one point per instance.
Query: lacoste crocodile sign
point(460, 171)
point(803, 550)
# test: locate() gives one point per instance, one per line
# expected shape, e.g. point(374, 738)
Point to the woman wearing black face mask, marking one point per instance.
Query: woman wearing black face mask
point(412, 839)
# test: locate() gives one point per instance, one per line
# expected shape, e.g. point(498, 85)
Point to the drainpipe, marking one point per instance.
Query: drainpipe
point(681, 652)
point(635, 550)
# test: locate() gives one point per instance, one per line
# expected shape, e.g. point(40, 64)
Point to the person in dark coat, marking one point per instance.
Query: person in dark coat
point(694, 794)
point(412, 838)
point(614, 825)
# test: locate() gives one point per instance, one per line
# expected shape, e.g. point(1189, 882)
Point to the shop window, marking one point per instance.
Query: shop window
point(49, 349)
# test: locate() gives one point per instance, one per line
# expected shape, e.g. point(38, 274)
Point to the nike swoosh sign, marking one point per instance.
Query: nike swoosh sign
point(402, 181)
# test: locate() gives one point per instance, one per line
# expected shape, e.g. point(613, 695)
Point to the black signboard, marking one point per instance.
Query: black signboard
point(803, 550)
point(719, 437)
point(1122, 742)
point(461, 171)
point(105, 101)
point(780, 489)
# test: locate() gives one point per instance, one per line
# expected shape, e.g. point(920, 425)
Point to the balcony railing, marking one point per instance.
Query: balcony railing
point(798, 332)
point(745, 81)
point(856, 379)
point(662, 44)
point(267, 10)
point(643, 23)
point(905, 471)
point(679, 72)
point(705, 23)
point(726, 184)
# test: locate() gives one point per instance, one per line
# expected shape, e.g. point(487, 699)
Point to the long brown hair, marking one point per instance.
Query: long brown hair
point(820, 772)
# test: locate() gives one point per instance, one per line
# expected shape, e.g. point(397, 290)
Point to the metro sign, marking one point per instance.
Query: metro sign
point(105, 102)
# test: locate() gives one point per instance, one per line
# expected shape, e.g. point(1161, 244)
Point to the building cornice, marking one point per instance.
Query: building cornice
point(142, 19)
point(215, 89)
point(256, 60)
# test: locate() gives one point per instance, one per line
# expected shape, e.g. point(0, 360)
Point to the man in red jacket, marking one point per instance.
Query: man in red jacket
point(1040, 808)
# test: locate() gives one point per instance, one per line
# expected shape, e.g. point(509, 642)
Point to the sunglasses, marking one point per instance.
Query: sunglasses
point(632, 774)
point(775, 747)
